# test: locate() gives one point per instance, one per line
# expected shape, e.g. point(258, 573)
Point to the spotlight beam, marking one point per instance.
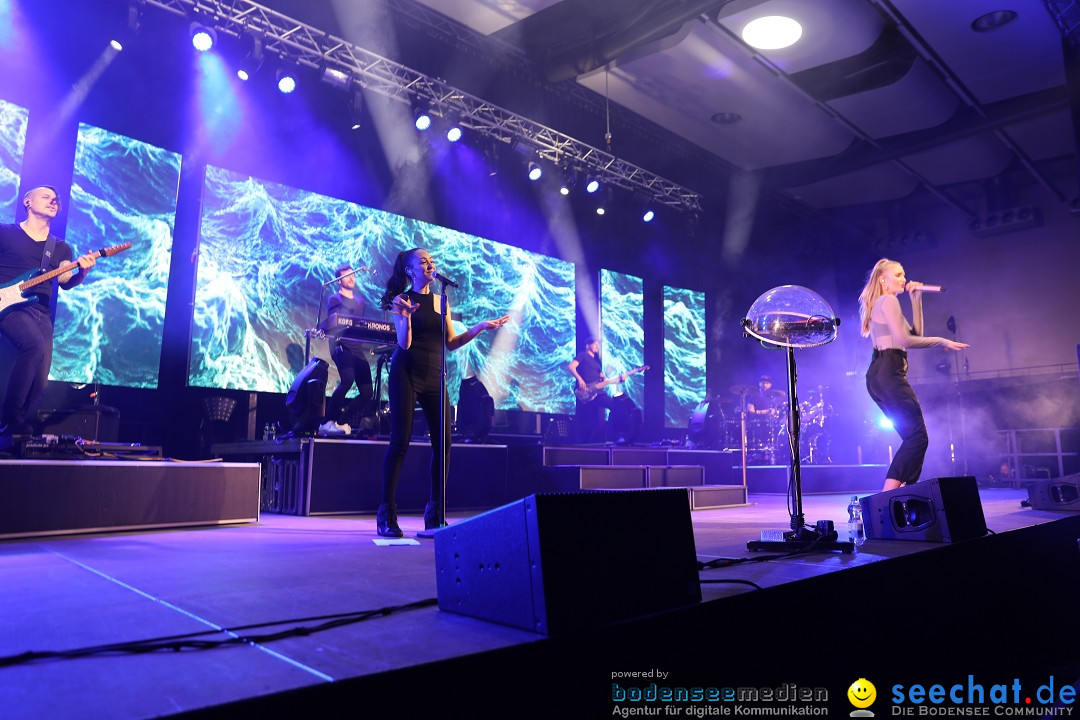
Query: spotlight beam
point(314, 48)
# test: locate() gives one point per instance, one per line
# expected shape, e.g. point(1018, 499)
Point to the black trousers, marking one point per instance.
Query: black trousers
point(590, 423)
point(887, 383)
point(30, 330)
point(352, 369)
point(407, 386)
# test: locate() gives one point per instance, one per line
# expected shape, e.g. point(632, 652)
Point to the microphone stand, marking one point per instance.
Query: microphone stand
point(440, 507)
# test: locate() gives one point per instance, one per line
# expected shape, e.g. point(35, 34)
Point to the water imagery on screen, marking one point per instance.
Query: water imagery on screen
point(684, 354)
point(266, 249)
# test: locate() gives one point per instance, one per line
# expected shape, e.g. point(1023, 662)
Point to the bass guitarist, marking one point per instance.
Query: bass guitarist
point(590, 421)
point(23, 247)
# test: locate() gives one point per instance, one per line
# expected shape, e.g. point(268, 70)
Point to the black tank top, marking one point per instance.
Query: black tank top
point(423, 359)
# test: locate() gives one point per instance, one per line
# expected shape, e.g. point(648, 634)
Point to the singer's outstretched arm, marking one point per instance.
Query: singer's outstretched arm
point(455, 341)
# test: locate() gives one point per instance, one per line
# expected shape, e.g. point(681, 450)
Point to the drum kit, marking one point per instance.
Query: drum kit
point(767, 439)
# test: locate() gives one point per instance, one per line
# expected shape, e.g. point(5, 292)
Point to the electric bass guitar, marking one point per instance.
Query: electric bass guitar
point(593, 389)
point(13, 295)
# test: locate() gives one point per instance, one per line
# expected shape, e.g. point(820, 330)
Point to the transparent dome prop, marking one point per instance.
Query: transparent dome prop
point(792, 316)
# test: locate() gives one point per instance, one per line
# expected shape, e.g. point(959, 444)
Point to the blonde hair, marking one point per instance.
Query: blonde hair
point(871, 292)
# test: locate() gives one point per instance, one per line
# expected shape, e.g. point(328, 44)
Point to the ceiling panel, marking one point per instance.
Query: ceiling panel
point(974, 158)
point(488, 16)
point(1019, 58)
point(681, 87)
point(887, 181)
point(1045, 137)
point(917, 101)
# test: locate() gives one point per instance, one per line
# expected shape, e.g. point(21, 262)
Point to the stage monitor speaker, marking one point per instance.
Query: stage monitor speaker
point(306, 399)
point(475, 411)
point(944, 509)
point(1061, 494)
point(558, 562)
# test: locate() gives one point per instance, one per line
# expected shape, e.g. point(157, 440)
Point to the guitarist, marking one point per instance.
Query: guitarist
point(590, 420)
point(24, 247)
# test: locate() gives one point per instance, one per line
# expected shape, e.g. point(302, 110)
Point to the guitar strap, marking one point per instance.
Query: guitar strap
point(46, 254)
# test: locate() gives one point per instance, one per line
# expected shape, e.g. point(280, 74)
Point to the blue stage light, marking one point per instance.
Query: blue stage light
point(453, 134)
point(423, 121)
point(648, 216)
point(535, 171)
point(885, 423)
point(593, 185)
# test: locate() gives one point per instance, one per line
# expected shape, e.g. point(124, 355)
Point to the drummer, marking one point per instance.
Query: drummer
point(765, 401)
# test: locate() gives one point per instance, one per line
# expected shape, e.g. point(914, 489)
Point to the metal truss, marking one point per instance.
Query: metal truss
point(308, 46)
point(1066, 15)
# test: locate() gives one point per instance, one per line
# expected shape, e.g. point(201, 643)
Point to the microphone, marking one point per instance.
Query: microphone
point(445, 280)
point(932, 288)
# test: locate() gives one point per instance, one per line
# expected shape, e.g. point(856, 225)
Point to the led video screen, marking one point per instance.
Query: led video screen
point(684, 354)
point(266, 250)
point(622, 319)
point(109, 328)
point(12, 142)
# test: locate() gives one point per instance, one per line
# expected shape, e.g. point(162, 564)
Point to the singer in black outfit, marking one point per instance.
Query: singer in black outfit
point(415, 376)
point(349, 357)
point(886, 378)
point(29, 327)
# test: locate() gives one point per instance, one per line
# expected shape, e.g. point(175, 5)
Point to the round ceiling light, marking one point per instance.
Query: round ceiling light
point(772, 32)
point(726, 118)
point(993, 20)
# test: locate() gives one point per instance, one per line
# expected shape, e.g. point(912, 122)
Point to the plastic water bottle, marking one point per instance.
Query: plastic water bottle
point(855, 521)
point(269, 431)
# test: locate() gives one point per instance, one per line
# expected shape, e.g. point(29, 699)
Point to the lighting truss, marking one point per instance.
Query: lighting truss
point(1066, 14)
point(308, 46)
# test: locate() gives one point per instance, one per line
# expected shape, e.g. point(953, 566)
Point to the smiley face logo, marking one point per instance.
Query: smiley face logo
point(862, 693)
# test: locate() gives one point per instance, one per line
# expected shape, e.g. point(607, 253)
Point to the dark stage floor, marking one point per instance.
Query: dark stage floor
point(65, 593)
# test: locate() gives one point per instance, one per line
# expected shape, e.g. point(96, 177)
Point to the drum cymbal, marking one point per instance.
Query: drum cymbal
point(741, 389)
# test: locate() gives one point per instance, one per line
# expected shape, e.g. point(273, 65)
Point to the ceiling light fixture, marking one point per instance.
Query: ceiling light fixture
point(286, 81)
point(772, 32)
point(202, 37)
point(726, 118)
point(993, 20)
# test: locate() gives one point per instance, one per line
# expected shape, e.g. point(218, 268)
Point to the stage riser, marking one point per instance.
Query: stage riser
point(716, 496)
point(718, 466)
point(316, 476)
point(346, 477)
point(817, 478)
point(571, 478)
point(43, 497)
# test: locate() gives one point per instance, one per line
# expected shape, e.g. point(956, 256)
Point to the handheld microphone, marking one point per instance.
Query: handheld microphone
point(445, 280)
point(932, 288)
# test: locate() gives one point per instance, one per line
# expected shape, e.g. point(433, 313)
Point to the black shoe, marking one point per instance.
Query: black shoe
point(432, 520)
point(386, 524)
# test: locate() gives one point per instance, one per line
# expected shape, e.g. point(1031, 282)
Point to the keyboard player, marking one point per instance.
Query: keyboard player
point(349, 357)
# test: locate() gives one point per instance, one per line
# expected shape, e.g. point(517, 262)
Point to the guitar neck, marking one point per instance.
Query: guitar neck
point(69, 265)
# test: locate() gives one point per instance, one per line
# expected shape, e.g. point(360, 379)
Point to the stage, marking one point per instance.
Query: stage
point(902, 612)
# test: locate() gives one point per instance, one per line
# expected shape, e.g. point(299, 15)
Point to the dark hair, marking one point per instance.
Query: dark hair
point(341, 268)
point(398, 279)
point(26, 195)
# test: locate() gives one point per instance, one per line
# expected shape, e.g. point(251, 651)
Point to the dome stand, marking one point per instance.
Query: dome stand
point(794, 317)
